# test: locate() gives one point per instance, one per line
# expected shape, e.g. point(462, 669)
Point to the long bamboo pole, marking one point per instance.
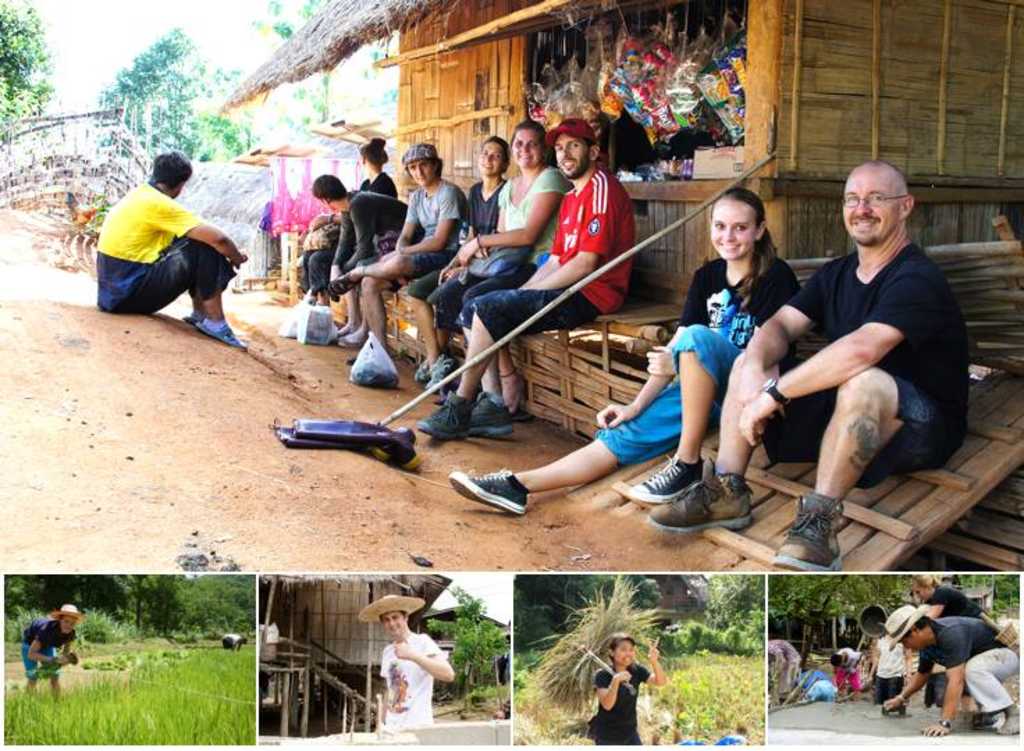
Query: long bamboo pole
point(876, 78)
point(1007, 67)
point(947, 32)
point(794, 104)
point(570, 291)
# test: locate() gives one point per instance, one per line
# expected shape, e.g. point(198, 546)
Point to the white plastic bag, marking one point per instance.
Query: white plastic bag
point(373, 366)
point(316, 326)
point(290, 326)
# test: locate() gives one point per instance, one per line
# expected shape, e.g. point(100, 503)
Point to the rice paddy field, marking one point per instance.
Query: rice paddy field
point(708, 697)
point(170, 697)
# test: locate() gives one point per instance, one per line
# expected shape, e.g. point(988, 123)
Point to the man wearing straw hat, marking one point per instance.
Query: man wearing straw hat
point(409, 664)
point(973, 658)
point(41, 641)
point(888, 395)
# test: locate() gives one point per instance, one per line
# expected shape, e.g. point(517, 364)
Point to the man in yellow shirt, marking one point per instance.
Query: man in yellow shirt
point(152, 249)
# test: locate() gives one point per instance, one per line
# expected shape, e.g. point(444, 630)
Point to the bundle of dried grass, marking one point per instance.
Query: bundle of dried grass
point(565, 673)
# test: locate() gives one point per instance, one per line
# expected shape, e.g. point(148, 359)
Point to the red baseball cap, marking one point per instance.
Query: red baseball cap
point(572, 126)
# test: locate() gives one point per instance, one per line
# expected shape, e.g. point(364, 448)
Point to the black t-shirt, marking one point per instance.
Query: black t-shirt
point(956, 641)
point(712, 302)
point(368, 215)
point(912, 295)
point(955, 603)
point(618, 723)
point(382, 184)
point(483, 215)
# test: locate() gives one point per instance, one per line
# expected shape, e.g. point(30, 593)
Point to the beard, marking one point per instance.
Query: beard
point(582, 165)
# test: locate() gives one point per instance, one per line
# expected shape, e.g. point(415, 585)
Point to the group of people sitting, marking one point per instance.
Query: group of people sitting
point(888, 394)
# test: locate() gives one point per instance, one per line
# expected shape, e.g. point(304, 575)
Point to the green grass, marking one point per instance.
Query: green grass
point(708, 696)
point(203, 697)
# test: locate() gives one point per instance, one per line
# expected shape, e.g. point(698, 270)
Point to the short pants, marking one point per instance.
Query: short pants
point(887, 688)
point(31, 666)
point(450, 298)
point(422, 287)
point(656, 430)
point(503, 310)
point(424, 263)
point(186, 265)
point(921, 443)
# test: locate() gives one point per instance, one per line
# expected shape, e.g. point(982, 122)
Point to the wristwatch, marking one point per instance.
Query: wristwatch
point(771, 388)
point(946, 724)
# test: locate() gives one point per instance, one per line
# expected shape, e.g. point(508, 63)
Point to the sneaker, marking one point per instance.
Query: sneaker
point(812, 544)
point(1011, 725)
point(988, 720)
point(193, 318)
point(489, 420)
point(498, 489)
point(422, 374)
point(222, 334)
point(667, 484)
point(719, 501)
point(443, 368)
point(450, 421)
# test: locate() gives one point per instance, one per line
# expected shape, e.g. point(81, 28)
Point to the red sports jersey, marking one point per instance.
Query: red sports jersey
point(598, 219)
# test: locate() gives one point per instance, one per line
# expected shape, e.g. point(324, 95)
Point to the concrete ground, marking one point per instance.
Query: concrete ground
point(861, 723)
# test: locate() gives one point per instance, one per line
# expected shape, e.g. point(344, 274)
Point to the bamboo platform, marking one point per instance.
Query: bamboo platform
point(882, 527)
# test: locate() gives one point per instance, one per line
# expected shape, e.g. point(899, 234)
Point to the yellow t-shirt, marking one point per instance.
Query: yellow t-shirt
point(142, 224)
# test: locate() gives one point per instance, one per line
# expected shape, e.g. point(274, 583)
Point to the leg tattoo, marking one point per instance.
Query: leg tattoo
point(865, 433)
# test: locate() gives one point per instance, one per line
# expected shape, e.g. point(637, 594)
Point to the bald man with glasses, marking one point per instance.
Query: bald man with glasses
point(887, 395)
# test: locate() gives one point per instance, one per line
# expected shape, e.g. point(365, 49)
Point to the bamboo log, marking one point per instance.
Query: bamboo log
point(652, 333)
point(449, 122)
point(307, 679)
point(947, 30)
point(794, 105)
point(285, 705)
point(1005, 110)
point(876, 77)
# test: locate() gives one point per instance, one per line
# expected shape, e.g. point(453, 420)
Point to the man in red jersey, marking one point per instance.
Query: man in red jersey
point(595, 224)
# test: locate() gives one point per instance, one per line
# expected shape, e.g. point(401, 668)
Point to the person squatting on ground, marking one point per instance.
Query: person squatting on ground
point(887, 395)
point(151, 250)
point(728, 298)
point(846, 664)
point(505, 257)
point(615, 723)
point(42, 639)
point(409, 664)
point(436, 211)
point(492, 162)
point(783, 669)
point(595, 225)
point(369, 224)
point(973, 658)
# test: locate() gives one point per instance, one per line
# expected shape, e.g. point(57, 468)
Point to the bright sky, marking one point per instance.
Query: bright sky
point(495, 589)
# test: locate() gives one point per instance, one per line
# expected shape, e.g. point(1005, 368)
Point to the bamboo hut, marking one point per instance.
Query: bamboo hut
point(325, 664)
point(934, 86)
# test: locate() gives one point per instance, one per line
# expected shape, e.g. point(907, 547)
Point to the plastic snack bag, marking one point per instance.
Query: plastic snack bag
point(315, 325)
point(373, 367)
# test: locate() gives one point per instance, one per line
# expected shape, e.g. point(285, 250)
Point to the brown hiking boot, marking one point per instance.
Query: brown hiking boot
point(719, 501)
point(811, 544)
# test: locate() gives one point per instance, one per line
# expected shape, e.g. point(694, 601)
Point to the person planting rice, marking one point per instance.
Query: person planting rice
point(233, 642)
point(41, 642)
point(615, 723)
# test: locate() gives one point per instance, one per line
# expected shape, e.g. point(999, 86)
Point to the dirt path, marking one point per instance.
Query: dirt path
point(130, 440)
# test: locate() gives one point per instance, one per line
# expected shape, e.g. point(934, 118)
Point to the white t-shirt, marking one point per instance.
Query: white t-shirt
point(410, 687)
point(850, 657)
point(890, 660)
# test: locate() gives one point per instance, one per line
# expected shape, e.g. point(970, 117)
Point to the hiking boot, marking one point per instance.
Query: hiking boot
point(422, 374)
point(667, 484)
point(811, 544)
point(1012, 724)
point(499, 489)
point(450, 421)
point(489, 420)
point(222, 333)
point(443, 368)
point(719, 501)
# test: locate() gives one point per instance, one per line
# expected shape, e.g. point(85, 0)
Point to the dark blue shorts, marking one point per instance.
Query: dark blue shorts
point(921, 443)
point(450, 298)
point(187, 265)
point(424, 263)
point(502, 311)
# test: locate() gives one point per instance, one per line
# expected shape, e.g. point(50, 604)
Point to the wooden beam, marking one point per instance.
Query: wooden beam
point(1005, 113)
point(764, 87)
point(447, 122)
point(947, 32)
point(876, 77)
point(794, 105)
point(477, 33)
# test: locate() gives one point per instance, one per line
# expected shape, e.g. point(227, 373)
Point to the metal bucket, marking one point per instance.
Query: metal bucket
point(872, 620)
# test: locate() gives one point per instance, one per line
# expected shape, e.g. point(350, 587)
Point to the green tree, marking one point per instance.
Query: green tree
point(24, 61)
point(478, 640)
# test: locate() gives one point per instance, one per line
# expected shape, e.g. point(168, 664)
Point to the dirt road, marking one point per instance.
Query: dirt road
point(129, 440)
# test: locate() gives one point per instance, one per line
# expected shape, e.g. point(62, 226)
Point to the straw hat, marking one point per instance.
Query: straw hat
point(68, 610)
point(389, 604)
point(898, 624)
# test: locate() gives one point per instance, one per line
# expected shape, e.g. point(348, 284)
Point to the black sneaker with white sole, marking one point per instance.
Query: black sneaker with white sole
point(667, 484)
point(499, 489)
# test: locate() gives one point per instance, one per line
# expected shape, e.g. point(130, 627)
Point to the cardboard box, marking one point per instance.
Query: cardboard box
point(723, 163)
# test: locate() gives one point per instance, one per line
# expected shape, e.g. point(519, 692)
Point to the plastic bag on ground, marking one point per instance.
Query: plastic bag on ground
point(373, 366)
point(316, 326)
point(289, 328)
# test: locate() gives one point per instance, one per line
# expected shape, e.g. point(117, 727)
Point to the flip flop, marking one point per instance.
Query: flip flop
point(223, 334)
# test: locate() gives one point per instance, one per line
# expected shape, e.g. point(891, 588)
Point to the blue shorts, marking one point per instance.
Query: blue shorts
point(31, 666)
point(656, 430)
point(424, 263)
point(503, 310)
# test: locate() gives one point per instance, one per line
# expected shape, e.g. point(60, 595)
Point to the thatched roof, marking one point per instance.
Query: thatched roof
point(337, 30)
point(231, 196)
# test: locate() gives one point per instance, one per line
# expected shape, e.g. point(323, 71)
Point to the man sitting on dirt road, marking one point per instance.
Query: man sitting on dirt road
point(595, 225)
point(968, 649)
point(40, 642)
point(409, 664)
point(888, 395)
point(152, 249)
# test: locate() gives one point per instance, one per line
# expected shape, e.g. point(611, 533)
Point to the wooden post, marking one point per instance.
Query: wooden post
point(794, 105)
point(323, 640)
point(286, 705)
point(270, 609)
point(1007, 66)
point(369, 664)
point(307, 681)
point(947, 31)
point(876, 77)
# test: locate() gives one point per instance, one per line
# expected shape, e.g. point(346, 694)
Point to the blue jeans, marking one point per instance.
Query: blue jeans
point(656, 430)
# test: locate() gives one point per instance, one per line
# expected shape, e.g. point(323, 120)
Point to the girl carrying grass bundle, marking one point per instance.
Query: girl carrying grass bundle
point(615, 723)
